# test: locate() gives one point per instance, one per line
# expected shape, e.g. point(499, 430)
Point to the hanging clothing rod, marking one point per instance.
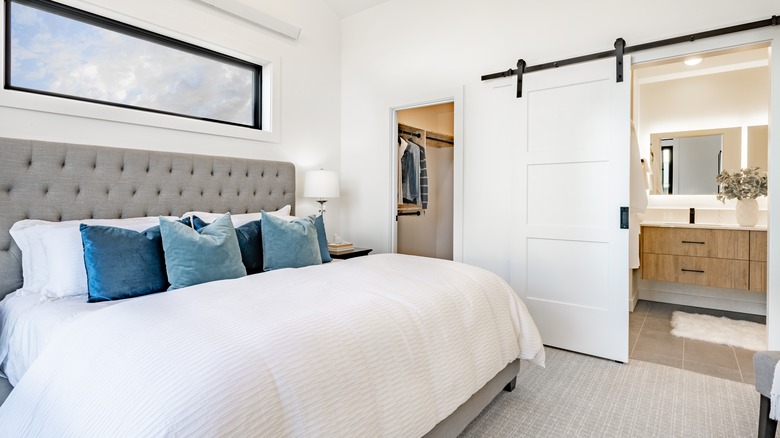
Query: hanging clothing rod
point(415, 134)
point(408, 213)
point(621, 48)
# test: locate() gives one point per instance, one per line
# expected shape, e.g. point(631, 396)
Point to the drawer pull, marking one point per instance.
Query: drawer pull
point(692, 270)
point(693, 242)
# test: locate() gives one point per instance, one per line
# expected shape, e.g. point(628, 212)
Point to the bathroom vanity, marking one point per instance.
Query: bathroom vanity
point(704, 265)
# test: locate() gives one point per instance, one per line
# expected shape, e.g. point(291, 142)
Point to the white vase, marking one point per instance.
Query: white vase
point(747, 212)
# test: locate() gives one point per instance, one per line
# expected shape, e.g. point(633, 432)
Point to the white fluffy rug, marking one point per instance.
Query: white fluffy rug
point(719, 330)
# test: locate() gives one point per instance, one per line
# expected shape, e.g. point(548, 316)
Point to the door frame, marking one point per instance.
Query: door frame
point(455, 96)
point(769, 35)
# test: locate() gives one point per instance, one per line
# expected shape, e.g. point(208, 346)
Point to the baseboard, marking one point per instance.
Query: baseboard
point(702, 296)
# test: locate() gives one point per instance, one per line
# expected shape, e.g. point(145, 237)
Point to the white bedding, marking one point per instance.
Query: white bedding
point(29, 321)
point(384, 345)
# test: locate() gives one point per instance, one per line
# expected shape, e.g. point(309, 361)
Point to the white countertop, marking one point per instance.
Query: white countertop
point(707, 226)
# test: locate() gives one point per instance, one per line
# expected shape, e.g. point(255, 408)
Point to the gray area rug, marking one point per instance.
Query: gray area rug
point(582, 396)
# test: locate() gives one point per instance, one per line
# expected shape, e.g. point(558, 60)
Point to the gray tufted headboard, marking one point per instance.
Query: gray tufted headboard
point(58, 182)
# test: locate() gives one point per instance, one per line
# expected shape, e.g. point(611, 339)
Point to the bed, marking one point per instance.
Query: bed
point(383, 345)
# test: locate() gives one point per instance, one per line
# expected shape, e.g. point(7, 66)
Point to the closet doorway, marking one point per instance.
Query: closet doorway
point(425, 180)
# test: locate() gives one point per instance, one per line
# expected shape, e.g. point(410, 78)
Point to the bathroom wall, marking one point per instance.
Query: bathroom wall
point(727, 99)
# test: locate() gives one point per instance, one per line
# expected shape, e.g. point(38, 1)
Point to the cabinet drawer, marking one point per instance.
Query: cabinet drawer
point(758, 246)
point(758, 276)
point(703, 271)
point(697, 242)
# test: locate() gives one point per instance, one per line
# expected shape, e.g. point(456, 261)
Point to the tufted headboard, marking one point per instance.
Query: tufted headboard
point(58, 182)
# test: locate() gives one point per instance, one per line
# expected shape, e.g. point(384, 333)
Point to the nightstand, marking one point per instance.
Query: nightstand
point(355, 252)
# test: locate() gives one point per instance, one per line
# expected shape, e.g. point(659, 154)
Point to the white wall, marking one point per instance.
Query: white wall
point(310, 76)
point(409, 48)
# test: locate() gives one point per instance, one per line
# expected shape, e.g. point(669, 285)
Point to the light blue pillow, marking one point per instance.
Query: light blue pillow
point(289, 244)
point(322, 239)
point(195, 257)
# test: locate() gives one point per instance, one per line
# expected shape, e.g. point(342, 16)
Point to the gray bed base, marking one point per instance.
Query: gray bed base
point(60, 181)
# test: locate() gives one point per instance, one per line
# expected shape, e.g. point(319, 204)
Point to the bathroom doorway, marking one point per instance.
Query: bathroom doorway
point(679, 101)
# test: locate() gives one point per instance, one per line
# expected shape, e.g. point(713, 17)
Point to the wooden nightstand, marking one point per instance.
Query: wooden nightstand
point(355, 252)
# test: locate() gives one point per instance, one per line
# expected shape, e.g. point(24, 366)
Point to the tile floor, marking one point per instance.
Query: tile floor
point(651, 340)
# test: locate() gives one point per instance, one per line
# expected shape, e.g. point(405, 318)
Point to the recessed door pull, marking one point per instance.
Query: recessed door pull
point(691, 241)
point(692, 270)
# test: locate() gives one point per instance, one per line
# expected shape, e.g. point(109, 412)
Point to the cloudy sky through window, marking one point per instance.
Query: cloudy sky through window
point(60, 55)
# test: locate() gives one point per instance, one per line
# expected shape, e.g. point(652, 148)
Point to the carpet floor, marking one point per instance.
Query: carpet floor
point(582, 396)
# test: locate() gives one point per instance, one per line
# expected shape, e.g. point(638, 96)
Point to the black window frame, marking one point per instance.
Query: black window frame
point(137, 32)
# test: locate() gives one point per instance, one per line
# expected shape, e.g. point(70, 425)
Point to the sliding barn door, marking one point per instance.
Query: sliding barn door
point(569, 256)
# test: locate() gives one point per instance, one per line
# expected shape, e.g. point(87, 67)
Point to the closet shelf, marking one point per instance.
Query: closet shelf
point(432, 139)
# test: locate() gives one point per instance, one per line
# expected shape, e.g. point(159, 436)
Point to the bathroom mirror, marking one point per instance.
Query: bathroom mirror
point(687, 162)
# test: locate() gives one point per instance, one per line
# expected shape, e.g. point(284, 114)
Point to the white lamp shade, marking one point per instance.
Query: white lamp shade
point(321, 184)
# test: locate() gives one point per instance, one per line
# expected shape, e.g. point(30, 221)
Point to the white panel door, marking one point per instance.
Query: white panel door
point(569, 256)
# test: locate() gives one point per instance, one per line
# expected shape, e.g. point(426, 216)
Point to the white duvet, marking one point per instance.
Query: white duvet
point(384, 345)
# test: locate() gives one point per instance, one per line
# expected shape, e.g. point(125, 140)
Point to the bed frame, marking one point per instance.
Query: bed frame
point(59, 182)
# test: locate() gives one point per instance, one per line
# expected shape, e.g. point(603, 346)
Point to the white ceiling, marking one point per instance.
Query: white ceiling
point(345, 8)
point(712, 62)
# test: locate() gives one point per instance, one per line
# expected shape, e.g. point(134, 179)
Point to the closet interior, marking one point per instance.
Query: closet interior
point(425, 181)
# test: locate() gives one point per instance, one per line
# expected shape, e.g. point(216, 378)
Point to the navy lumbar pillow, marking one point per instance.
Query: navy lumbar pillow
point(195, 257)
point(322, 239)
point(122, 263)
point(251, 245)
point(291, 244)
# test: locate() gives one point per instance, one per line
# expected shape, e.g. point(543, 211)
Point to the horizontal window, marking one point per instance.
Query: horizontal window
point(56, 50)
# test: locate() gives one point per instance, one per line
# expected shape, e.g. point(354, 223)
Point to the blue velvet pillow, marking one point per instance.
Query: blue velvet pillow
point(195, 257)
point(122, 263)
point(322, 238)
point(251, 245)
point(289, 244)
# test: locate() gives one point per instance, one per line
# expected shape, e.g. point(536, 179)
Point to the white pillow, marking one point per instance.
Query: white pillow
point(53, 255)
point(238, 219)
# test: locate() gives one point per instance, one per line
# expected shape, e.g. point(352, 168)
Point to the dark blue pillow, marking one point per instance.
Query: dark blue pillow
point(251, 244)
point(322, 239)
point(122, 263)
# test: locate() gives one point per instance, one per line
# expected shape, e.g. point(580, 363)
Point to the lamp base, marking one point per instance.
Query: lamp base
point(322, 205)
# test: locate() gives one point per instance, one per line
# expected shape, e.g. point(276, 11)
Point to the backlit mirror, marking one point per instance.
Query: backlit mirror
point(687, 162)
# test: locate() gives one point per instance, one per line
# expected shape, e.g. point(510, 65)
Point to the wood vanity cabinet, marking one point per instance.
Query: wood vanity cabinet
point(734, 259)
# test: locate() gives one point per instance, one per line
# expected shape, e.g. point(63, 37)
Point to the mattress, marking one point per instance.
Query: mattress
point(383, 345)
